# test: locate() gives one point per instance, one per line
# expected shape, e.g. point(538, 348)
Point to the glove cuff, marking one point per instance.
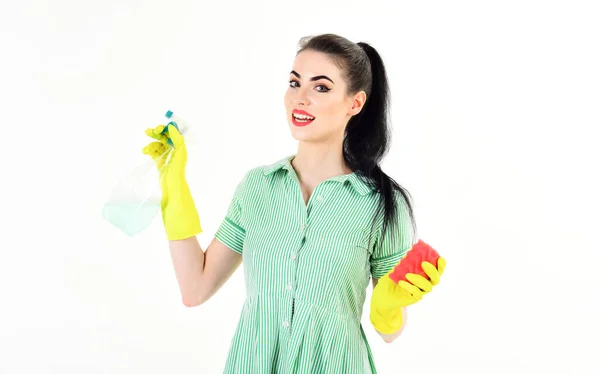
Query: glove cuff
point(387, 323)
point(180, 216)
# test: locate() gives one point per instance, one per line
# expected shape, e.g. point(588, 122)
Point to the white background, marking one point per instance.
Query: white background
point(495, 115)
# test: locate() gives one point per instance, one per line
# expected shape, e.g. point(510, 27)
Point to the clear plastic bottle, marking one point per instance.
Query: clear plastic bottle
point(135, 200)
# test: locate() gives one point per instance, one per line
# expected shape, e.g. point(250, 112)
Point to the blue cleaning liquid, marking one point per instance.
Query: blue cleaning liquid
point(131, 218)
point(135, 200)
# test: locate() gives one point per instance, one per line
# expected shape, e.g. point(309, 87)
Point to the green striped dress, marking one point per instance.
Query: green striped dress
point(307, 268)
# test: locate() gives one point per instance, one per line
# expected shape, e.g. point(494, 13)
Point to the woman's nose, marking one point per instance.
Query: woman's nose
point(301, 97)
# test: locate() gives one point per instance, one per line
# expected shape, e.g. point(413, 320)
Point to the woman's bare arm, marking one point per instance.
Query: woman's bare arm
point(201, 274)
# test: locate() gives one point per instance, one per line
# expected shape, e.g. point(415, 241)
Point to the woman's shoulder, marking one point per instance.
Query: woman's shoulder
point(266, 169)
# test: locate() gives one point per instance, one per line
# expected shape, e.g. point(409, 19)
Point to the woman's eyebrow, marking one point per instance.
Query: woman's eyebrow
point(313, 78)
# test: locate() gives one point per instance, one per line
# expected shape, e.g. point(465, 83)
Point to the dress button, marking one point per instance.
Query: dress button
point(302, 227)
point(293, 256)
point(286, 324)
point(289, 287)
point(319, 198)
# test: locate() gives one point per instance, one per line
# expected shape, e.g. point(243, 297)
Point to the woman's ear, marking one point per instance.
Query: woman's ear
point(358, 101)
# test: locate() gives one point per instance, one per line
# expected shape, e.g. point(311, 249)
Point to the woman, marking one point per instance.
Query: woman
point(311, 229)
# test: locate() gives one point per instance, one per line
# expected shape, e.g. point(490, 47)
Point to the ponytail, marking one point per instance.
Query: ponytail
point(376, 137)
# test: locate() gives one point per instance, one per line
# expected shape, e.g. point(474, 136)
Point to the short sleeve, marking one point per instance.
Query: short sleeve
point(231, 232)
point(397, 240)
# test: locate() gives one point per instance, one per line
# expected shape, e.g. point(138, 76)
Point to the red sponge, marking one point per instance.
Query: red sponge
point(411, 263)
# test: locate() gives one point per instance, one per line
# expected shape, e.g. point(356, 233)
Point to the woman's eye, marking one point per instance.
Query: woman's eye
point(319, 88)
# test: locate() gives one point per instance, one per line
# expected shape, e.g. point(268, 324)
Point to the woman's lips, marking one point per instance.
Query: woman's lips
point(301, 120)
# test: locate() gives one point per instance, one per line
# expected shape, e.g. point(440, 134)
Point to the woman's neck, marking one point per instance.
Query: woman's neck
point(315, 163)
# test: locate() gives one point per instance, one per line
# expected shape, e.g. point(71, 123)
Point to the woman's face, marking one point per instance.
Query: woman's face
point(317, 103)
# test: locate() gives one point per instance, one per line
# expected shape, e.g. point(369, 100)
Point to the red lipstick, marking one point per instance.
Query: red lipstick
point(302, 121)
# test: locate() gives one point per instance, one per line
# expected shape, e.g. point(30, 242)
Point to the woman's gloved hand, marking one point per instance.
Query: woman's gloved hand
point(389, 297)
point(180, 217)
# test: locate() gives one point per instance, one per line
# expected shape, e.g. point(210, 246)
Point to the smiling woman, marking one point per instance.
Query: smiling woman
point(313, 229)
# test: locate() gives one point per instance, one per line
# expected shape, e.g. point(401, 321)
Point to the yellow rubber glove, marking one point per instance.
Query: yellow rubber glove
point(180, 217)
point(389, 298)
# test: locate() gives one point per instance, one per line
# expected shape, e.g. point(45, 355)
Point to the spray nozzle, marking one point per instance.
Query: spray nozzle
point(174, 121)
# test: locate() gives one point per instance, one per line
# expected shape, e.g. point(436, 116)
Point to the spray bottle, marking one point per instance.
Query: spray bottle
point(135, 200)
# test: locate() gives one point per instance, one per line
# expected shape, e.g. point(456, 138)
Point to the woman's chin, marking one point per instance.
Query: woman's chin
point(301, 134)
